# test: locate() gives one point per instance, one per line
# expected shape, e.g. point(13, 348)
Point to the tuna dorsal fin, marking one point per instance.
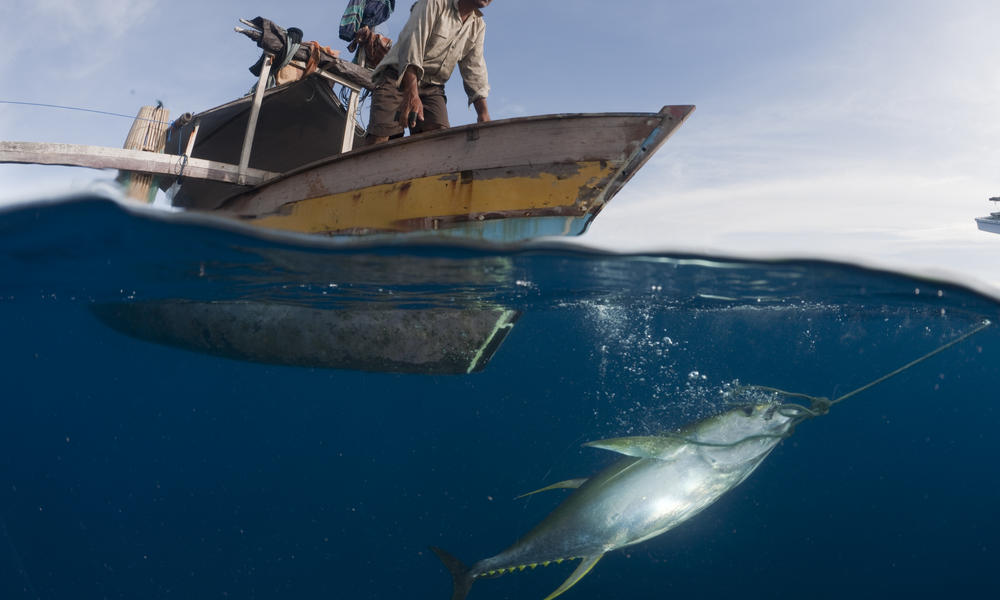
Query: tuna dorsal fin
point(569, 484)
point(648, 446)
point(581, 570)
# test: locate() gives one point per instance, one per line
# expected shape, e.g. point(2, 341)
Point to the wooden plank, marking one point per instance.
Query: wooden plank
point(101, 157)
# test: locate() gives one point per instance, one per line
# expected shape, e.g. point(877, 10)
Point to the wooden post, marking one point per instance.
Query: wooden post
point(352, 113)
point(148, 133)
point(258, 99)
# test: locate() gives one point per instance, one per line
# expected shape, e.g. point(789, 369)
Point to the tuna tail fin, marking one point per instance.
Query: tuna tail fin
point(460, 575)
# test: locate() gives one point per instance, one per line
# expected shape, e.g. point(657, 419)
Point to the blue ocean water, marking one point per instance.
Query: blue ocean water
point(143, 457)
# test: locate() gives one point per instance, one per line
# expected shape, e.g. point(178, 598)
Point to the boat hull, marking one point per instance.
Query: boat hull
point(503, 181)
point(430, 341)
point(991, 223)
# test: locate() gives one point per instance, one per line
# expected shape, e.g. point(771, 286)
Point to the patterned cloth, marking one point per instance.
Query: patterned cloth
point(364, 13)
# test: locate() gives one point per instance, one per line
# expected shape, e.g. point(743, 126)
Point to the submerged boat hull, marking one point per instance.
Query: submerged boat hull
point(431, 341)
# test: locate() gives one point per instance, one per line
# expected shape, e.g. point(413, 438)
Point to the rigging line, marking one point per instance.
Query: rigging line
point(90, 110)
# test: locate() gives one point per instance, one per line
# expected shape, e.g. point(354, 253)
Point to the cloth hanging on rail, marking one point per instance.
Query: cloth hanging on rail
point(364, 13)
point(272, 35)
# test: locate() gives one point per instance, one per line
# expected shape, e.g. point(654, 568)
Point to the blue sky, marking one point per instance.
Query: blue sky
point(862, 130)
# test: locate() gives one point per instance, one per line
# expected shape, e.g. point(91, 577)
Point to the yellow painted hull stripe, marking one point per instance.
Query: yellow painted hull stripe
point(388, 207)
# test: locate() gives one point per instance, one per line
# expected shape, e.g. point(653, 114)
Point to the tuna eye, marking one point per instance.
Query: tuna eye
point(748, 411)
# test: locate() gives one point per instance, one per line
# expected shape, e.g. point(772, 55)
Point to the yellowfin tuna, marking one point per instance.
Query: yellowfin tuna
point(660, 482)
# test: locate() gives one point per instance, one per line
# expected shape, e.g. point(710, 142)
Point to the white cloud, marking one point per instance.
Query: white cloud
point(907, 88)
point(81, 37)
point(882, 148)
point(72, 22)
point(887, 219)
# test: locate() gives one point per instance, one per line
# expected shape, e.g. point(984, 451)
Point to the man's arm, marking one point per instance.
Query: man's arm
point(482, 112)
point(474, 77)
point(412, 41)
point(411, 98)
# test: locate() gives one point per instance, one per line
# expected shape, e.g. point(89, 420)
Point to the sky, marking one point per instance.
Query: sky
point(857, 130)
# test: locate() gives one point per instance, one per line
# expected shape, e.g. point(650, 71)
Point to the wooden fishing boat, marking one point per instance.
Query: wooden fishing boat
point(286, 159)
point(504, 180)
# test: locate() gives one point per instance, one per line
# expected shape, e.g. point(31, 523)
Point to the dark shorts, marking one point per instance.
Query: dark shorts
point(386, 100)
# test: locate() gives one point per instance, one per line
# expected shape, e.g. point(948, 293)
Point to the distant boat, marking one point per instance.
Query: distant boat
point(992, 222)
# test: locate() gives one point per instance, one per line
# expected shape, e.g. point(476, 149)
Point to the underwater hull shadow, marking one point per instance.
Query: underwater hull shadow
point(426, 341)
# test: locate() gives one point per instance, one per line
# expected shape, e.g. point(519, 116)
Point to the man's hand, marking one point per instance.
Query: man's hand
point(361, 37)
point(482, 111)
point(411, 99)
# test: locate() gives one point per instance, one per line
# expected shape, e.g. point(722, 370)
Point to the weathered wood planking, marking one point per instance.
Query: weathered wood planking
point(511, 143)
point(101, 157)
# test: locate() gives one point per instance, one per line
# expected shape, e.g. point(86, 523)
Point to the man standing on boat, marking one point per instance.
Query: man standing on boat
point(409, 82)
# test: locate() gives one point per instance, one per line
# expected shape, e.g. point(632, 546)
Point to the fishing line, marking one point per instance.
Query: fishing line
point(986, 323)
point(820, 405)
point(78, 108)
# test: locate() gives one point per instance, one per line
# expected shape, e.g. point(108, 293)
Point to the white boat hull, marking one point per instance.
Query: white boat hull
point(990, 223)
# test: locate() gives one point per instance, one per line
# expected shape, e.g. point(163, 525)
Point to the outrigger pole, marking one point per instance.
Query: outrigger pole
point(103, 157)
point(143, 155)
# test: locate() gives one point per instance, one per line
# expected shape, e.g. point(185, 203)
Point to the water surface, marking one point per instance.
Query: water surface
point(132, 468)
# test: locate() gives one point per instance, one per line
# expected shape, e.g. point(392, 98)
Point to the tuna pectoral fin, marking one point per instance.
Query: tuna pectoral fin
point(584, 568)
point(649, 446)
point(461, 577)
point(569, 484)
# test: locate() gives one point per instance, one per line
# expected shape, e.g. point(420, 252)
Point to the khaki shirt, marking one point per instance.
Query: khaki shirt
point(434, 40)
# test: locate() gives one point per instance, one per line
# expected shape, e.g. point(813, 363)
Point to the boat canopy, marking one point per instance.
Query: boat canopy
point(300, 122)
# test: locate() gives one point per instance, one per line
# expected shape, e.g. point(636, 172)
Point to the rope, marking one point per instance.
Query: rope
point(986, 323)
point(90, 110)
point(820, 405)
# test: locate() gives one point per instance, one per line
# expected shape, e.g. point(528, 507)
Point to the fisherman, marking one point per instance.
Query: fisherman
point(409, 82)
